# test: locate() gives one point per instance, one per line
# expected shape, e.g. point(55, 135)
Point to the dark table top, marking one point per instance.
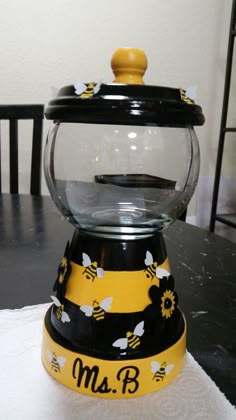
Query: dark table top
point(33, 235)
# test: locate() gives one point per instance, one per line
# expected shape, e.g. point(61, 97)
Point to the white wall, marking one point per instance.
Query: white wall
point(56, 42)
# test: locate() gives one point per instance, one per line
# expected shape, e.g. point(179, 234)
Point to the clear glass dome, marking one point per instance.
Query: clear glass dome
point(120, 179)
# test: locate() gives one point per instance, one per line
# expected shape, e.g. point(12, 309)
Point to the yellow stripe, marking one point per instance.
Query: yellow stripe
point(128, 289)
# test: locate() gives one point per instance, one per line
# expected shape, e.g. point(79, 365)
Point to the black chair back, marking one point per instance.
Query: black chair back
point(14, 113)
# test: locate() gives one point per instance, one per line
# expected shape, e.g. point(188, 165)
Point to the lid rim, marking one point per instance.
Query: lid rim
point(126, 104)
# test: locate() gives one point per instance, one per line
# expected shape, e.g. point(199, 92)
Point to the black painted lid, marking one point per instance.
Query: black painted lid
point(132, 103)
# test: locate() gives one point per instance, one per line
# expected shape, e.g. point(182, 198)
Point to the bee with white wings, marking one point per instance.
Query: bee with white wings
point(91, 268)
point(160, 370)
point(153, 269)
point(97, 310)
point(132, 339)
point(85, 91)
point(56, 362)
point(63, 274)
point(60, 313)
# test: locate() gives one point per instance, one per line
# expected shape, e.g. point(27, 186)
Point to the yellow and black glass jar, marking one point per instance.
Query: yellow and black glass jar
point(121, 163)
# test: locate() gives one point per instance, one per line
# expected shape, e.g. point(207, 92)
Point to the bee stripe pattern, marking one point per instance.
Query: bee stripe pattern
point(90, 272)
point(59, 311)
point(98, 313)
point(133, 341)
point(88, 92)
point(55, 365)
point(151, 270)
point(185, 98)
point(160, 374)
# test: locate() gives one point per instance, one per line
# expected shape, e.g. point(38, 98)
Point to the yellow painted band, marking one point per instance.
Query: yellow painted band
point(128, 289)
point(108, 378)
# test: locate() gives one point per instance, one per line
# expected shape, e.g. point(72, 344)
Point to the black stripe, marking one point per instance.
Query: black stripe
point(117, 255)
point(88, 336)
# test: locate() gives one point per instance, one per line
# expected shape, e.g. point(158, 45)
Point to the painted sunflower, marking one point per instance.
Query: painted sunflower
point(167, 303)
point(164, 300)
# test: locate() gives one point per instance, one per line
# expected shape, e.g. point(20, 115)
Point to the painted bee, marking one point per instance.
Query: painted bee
point(87, 90)
point(151, 266)
point(185, 98)
point(63, 274)
point(162, 272)
point(97, 310)
point(160, 371)
point(153, 270)
point(60, 313)
point(92, 270)
point(132, 339)
point(56, 362)
point(191, 92)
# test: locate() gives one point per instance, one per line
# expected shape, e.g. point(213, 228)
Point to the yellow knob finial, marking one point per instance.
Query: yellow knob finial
point(129, 66)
